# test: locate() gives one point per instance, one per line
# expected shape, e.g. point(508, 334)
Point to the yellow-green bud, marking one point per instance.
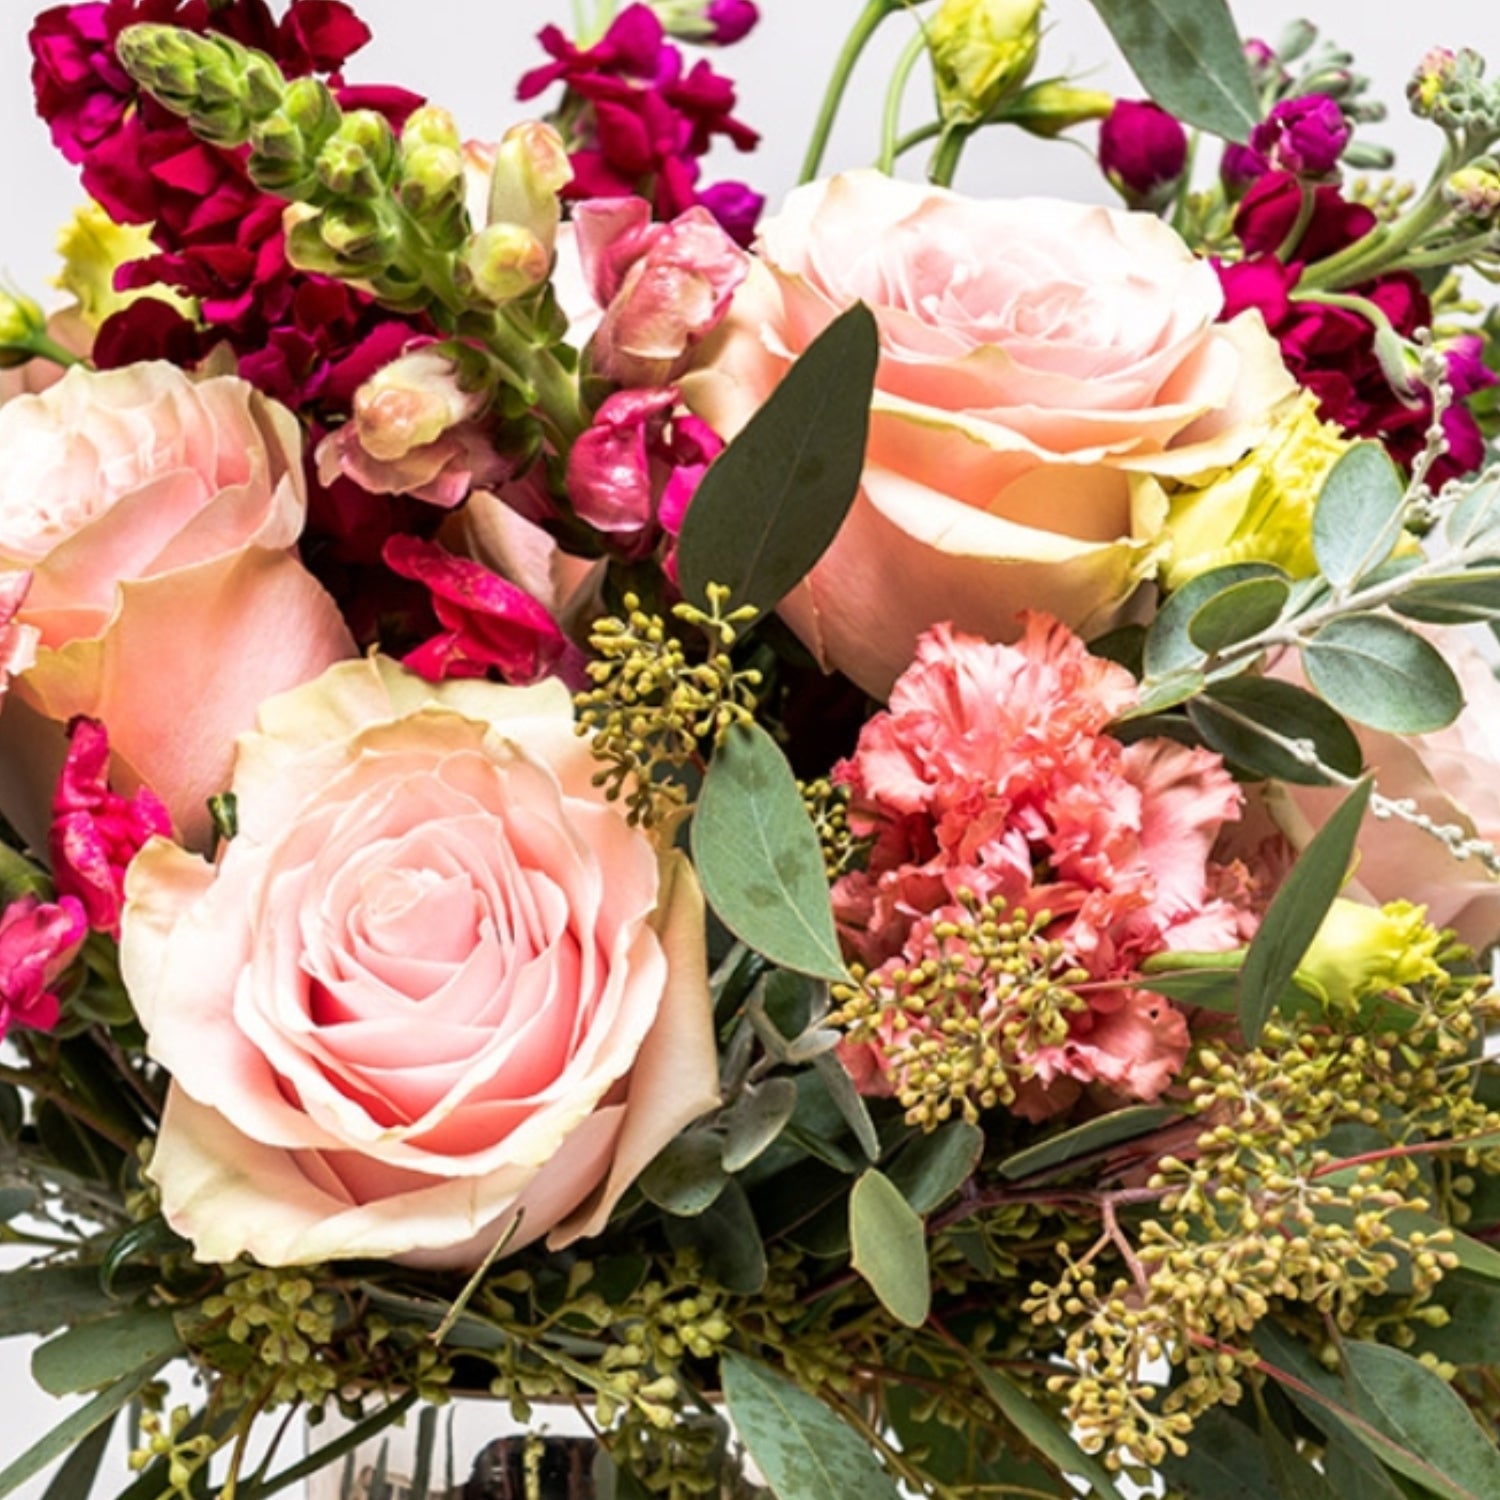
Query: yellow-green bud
point(1049, 108)
point(21, 323)
point(431, 126)
point(1364, 950)
point(505, 261)
point(531, 169)
point(360, 157)
point(432, 179)
point(982, 52)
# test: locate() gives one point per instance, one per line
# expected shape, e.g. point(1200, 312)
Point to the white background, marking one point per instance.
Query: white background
point(467, 54)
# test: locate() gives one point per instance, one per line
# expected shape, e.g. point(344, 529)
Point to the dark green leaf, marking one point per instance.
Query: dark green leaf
point(75, 1476)
point(1296, 1479)
point(931, 1168)
point(421, 1474)
point(759, 859)
point(1276, 712)
point(727, 1238)
point(146, 1240)
point(1208, 989)
point(347, 1441)
point(805, 1450)
point(687, 1175)
point(1357, 520)
point(1471, 1254)
point(960, 1456)
point(1083, 1140)
point(97, 1353)
point(889, 1246)
point(1188, 56)
point(36, 1299)
point(1472, 1333)
point(1225, 1461)
point(1296, 912)
point(75, 1427)
point(1354, 1471)
point(757, 1117)
point(1170, 649)
point(1044, 1431)
point(15, 1202)
point(1239, 612)
point(774, 499)
point(1379, 673)
point(1454, 599)
point(849, 1100)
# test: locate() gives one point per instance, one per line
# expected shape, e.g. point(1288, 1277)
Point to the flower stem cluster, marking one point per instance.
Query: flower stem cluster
point(656, 704)
point(173, 1439)
point(958, 1030)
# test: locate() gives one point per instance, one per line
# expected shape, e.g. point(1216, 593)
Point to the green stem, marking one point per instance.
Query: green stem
point(1455, 252)
point(553, 388)
point(44, 347)
point(1185, 185)
point(1299, 225)
point(874, 13)
point(889, 144)
point(945, 159)
point(914, 138)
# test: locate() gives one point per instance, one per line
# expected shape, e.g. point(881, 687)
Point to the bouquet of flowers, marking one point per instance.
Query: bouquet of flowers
point(862, 837)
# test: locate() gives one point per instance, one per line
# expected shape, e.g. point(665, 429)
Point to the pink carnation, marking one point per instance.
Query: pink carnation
point(38, 940)
point(991, 772)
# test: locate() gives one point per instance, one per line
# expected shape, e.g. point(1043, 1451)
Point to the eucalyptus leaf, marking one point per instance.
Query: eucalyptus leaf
point(76, 1474)
point(1296, 1478)
point(1357, 520)
point(769, 505)
point(889, 1246)
point(1466, 598)
point(1189, 57)
point(1170, 648)
point(98, 1353)
point(1476, 513)
point(346, 1442)
point(1068, 1146)
point(15, 1201)
point(728, 1240)
point(1472, 1333)
point(849, 1100)
point(1296, 912)
point(687, 1175)
point(754, 1121)
point(805, 1450)
point(1225, 1460)
point(759, 859)
point(36, 1299)
point(933, 1166)
point(1241, 611)
point(1277, 712)
point(1377, 672)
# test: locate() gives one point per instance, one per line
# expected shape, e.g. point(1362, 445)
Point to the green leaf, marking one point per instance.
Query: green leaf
point(1225, 1461)
point(849, 1102)
point(1379, 673)
point(1296, 1479)
point(890, 1248)
point(727, 1238)
point(1467, 598)
point(426, 1446)
point(1084, 1140)
point(346, 1442)
point(759, 859)
point(75, 1476)
point(1472, 1333)
point(1239, 612)
point(1416, 1407)
point(929, 1169)
point(36, 1299)
point(804, 1449)
point(754, 1121)
point(15, 1201)
point(1188, 56)
point(76, 1427)
point(687, 1175)
point(774, 499)
point(1357, 520)
point(1277, 711)
point(97, 1353)
point(1170, 648)
point(1296, 912)
point(1471, 1254)
point(1043, 1431)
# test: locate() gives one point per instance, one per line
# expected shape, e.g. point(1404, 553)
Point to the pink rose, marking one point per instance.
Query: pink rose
point(157, 517)
point(1034, 356)
point(437, 990)
point(1453, 776)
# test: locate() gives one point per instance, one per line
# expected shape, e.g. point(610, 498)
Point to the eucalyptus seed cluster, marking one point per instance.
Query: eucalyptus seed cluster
point(827, 805)
point(656, 705)
point(694, 1457)
point(957, 1029)
point(169, 1438)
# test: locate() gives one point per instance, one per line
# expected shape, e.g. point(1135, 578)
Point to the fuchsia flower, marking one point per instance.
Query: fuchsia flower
point(95, 831)
point(646, 121)
point(1305, 136)
point(490, 625)
point(634, 472)
point(1143, 151)
point(38, 940)
point(991, 772)
point(663, 287)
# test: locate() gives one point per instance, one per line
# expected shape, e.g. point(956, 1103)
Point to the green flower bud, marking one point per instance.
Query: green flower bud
point(432, 181)
point(1049, 108)
point(285, 145)
point(431, 126)
point(531, 169)
point(503, 262)
point(982, 52)
point(1361, 951)
point(359, 160)
point(1475, 189)
point(21, 323)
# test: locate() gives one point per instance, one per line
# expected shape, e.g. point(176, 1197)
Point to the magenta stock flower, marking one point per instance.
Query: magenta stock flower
point(489, 624)
point(38, 940)
point(1305, 136)
point(1143, 151)
point(95, 831)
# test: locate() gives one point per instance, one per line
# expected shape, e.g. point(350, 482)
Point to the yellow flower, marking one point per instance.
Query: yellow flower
point(982, 50)
point(1364, 950)
point(93, 248)
point(1258, 510)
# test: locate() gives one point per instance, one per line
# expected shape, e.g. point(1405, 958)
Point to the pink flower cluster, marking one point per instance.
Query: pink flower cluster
point(991, 773)
point(644, 121)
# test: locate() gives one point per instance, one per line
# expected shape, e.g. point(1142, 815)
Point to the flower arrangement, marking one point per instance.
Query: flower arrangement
point(862, 834)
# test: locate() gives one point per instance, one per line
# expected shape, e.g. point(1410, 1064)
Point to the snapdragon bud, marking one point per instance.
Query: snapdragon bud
point(503, 262)
point(346, 240)
point(286, 144)
point(530, 171)
point(411, 403)
point(359, 159)
point(982, 52)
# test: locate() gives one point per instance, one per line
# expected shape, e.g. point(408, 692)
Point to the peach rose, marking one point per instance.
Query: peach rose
point(437, 991)
point(1034, 355)
point(157, 517)
point(1451, 775)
